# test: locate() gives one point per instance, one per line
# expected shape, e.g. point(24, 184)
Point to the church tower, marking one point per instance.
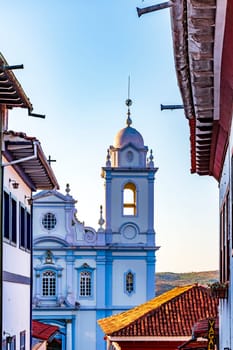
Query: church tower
point(129, 212)
point(82, 274)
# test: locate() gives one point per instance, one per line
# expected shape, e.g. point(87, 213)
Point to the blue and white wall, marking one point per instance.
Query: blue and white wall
point(81, 274)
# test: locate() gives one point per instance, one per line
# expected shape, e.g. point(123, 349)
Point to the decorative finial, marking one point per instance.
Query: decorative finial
point(101, 219)
point(108, 161)
point(128, 103)
point(67, 189)
point(151, 160)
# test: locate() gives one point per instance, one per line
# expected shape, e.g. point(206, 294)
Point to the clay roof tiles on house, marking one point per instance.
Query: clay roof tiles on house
point(201, 327)
point(194, 344)
point(170, 314)
point(43, 331)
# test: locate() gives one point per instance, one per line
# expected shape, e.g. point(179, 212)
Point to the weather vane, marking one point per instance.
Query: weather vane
point(128, 103)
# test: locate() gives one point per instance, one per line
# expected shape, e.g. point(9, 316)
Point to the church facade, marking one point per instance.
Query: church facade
point(81, 274)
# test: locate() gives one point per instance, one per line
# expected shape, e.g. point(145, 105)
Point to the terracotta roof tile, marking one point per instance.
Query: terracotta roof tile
point(200, 328)
point(194, 344)
point(43, 331)
point(170, 314)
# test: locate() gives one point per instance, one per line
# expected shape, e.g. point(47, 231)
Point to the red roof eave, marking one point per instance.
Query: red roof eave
point(192, 127)
point(30, 160)
point(222, 130)
point(8, 82)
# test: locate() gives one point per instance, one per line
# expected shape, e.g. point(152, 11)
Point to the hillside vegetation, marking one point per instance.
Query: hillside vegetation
point(169, 280)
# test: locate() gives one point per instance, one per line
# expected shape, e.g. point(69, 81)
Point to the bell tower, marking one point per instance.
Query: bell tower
point(129, 189)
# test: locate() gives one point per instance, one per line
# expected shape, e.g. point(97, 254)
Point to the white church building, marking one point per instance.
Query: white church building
point(81, 274)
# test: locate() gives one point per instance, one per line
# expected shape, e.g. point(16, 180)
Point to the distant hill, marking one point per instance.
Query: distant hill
point(169, 280)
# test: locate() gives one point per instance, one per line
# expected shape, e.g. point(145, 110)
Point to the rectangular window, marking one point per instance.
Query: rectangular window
point(227, 248)
point(6, 215)
point(222, 244)
point(85, 284)
point(13, 221)
point(49, 283)
point(25, 228)
point(13, 343)
point(4, 345)
point(22, 230)
point(224, 241)
point(22, 340)
point(9, 218)
point(28, 231)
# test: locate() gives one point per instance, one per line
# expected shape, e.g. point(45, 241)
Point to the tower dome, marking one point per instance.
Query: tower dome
point(128, 135)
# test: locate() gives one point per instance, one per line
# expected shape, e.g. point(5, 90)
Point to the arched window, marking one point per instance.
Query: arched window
point(85, 284)
point(129, 282)
point(49, 283)
point(129, 199)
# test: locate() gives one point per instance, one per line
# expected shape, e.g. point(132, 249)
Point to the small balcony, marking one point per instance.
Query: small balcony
point(219, 290)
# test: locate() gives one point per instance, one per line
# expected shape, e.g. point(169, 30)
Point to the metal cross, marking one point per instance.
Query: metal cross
point(51, 160)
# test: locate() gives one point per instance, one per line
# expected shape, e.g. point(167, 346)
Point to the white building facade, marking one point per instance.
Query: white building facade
point(16, 261)
point(82, 274)
point(17, 235)
point(24, 169)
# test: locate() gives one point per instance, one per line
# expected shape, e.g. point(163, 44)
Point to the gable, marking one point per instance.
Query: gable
point(49, 196)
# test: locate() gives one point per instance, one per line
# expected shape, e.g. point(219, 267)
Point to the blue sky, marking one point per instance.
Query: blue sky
point(77, 57)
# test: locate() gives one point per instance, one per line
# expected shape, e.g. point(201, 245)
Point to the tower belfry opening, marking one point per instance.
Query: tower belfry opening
point(129, 199)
